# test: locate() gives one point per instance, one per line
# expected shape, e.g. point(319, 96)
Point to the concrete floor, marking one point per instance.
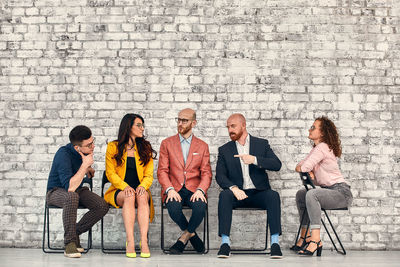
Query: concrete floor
point(35, 257)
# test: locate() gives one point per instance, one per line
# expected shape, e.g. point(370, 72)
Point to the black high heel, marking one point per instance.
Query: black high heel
point(311, 253)
point(297, 248)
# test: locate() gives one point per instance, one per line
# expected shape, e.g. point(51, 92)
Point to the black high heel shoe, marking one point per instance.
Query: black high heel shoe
point(297, 248)
point(311, 253)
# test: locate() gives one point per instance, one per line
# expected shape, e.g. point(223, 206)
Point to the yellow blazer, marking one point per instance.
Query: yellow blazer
point(116, 174)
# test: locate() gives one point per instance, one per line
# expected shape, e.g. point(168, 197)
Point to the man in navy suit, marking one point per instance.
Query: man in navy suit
point(241, 173)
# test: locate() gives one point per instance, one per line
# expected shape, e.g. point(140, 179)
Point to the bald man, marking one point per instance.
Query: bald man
point(184, 173)
point(241, 173)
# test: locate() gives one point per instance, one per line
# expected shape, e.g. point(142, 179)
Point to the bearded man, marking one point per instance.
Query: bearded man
point(241, 174)
point(184, 173)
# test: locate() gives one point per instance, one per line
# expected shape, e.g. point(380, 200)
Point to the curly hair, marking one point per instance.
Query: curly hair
point(330, 135)
point(144, 147)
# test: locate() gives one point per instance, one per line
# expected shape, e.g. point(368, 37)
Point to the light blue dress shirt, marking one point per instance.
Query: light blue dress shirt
point(185, 145)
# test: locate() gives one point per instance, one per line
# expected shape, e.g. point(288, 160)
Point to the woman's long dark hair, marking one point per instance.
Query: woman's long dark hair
point(144, 147)
point(330, 135)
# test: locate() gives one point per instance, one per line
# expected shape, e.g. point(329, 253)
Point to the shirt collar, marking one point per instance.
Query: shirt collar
point(189, 139)
point(71, 148)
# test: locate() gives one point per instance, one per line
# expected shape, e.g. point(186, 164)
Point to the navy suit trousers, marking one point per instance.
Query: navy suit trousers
point(175, 211)
point(264, 199)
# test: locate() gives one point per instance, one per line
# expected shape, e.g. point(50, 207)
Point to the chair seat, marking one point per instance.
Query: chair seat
point(250, 208)
point(184, 207)
point(56, 207)
point(346, 208)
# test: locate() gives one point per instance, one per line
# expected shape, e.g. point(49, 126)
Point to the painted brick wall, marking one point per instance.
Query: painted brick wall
point(280, 62)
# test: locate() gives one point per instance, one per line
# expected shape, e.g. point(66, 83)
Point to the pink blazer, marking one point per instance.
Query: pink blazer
point(172, 170)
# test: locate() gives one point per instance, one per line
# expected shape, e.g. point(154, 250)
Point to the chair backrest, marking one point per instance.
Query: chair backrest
point(88, 181)
point(104, 181)
point(306, 179)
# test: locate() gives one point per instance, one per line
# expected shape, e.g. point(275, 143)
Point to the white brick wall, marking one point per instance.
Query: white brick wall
point(281, 63)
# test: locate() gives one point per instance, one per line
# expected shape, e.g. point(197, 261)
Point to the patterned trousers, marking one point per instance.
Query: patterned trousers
point(69, 202)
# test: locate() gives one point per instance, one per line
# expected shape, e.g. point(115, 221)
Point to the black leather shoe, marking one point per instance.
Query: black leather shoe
point(197, 243)
point(224, 251)
point(276, 252)
point(177, 248)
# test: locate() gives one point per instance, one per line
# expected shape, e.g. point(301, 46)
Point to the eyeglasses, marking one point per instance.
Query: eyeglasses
point(183, 121)
point(139, 125)
point(90, 145)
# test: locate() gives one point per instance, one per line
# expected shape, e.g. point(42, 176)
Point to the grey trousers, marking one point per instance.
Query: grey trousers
point(311, 201)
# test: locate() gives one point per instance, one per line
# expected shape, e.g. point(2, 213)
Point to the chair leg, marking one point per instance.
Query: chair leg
point(102, 235)
point(343, 252)
point(266, 235)
point(48, 228)
point(44, 229)
point(89, 242)
point(162, 229)
point(206, 229)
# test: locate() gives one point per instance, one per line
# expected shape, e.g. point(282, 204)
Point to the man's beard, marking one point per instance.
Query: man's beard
point(184, 130)
point(237, 136)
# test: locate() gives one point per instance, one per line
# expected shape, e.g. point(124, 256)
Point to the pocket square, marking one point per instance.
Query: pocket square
point(194, 154)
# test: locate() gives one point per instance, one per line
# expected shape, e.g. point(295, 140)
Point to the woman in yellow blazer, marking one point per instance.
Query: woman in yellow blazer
point(129, 168)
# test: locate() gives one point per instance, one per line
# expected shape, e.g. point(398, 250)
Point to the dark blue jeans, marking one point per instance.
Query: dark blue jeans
point(175, 211)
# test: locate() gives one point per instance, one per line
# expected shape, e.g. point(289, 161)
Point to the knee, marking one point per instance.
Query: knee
point(274, 196)
point(199, 206)
point(311, 196)
point(73, 198)
point(226, 195)
point(129, 200)
point(173, 205)
point(103, 207)
point(300, 195)
point(143, 199)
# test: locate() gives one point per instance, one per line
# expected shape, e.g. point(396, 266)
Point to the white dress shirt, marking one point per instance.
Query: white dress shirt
point(245, 149)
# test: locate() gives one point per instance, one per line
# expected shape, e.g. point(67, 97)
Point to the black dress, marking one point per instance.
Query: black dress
point(131, 176)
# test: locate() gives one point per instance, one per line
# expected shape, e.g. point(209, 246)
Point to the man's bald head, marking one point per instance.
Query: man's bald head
point(236, 125)
point(188, 112)
point(237, 117)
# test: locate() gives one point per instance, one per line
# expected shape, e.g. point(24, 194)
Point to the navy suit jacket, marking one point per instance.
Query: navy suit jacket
point(229, 170)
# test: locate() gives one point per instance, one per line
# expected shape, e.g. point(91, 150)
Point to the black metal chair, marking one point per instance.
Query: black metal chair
point(104, 181)
point(307, 182)
point(256, 250)
point(206, 238)
point(46, 226)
